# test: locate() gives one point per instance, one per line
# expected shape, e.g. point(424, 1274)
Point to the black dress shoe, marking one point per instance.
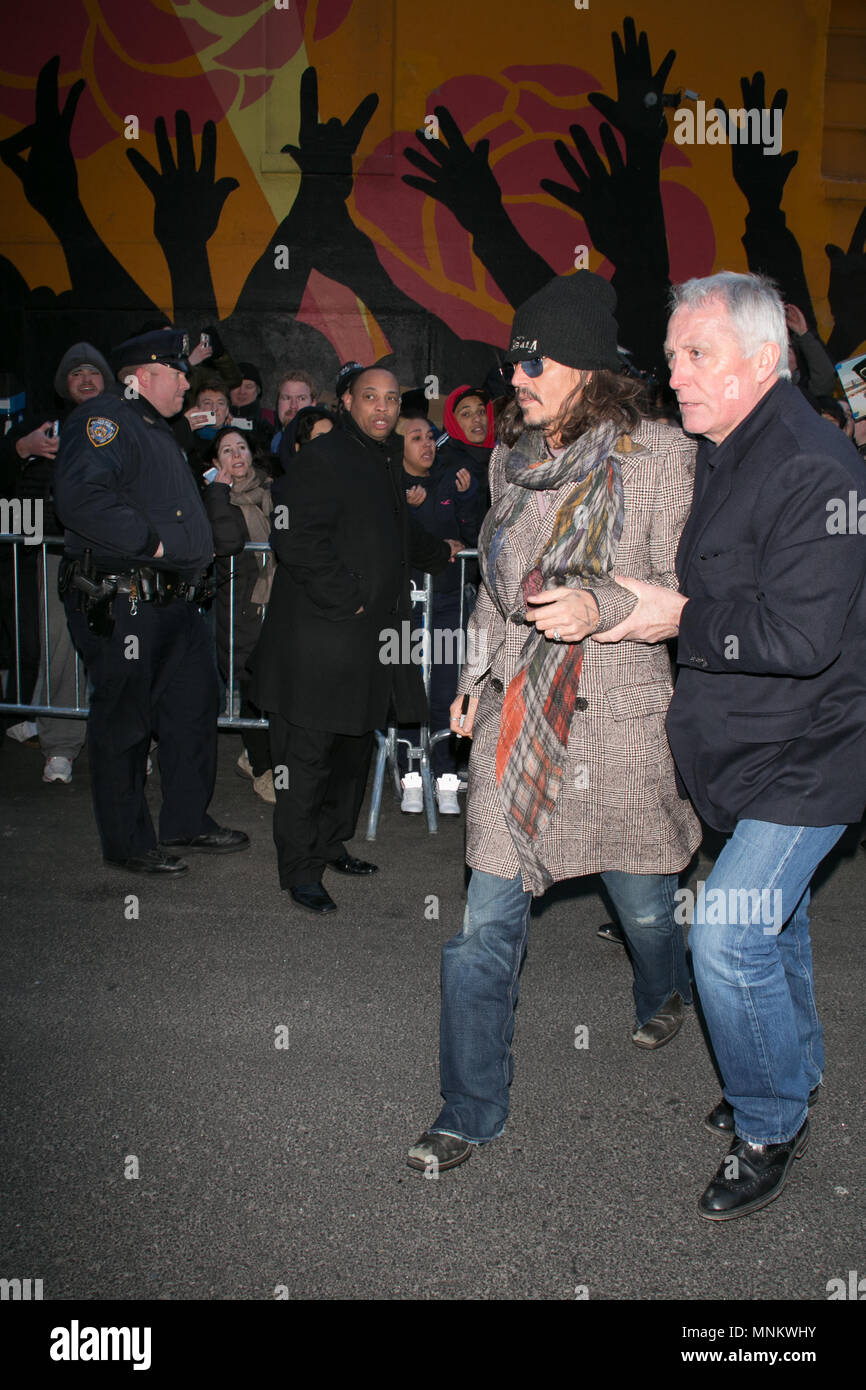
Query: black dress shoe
point(313, 897)
point(153, 862)
point(435, 1153)
point(751, 1176)
point(219, 841)
point(721, 1119)
point(348, 864)
point(609, 931)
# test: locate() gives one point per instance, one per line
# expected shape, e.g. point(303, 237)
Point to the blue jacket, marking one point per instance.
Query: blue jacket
point(448, 513)
point(768, 717)
point(122, 484)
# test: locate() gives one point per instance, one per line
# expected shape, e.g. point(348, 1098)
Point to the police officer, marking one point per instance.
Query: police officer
point(138, 543)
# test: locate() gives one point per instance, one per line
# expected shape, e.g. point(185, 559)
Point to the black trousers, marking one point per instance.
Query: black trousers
point(319, 780)
point(256, 741)
point(155, 675)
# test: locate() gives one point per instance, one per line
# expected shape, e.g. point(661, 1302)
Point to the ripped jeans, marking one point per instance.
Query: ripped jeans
point(481, 979)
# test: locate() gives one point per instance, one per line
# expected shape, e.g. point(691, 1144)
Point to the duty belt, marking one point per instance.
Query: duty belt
point(153, 585)
point(145, 583)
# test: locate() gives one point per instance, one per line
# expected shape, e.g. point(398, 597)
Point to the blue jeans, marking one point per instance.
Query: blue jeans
point(481, 979)
point(752, 960)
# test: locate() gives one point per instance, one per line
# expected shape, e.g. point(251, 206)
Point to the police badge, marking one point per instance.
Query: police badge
point(101, 431)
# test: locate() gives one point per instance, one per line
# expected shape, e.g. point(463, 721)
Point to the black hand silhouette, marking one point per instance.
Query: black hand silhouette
point(457, 176)
point(604, 197)
point(760, 176)
point(637, 112)
point(188, 201)
point(847, 292)
point(327, 147)
point(48, 176)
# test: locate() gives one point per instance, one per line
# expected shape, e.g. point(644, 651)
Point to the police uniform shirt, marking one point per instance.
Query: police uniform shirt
point(123, 484)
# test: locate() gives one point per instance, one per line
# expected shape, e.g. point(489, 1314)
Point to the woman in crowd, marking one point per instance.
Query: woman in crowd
point(468, 420)
point(239, 506)
point(302, 429)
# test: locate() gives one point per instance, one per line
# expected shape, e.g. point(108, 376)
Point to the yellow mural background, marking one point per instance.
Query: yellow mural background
point(404, 50)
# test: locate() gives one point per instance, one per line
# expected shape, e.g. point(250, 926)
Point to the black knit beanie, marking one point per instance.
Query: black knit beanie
point(571, 320)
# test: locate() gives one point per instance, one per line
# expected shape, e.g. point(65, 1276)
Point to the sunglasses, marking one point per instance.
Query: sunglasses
point(532, 366)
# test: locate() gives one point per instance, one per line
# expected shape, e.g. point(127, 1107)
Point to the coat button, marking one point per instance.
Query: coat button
point(580, 703)
point(496, 684)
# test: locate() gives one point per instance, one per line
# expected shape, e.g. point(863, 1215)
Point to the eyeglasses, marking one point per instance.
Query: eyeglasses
point(532, 366)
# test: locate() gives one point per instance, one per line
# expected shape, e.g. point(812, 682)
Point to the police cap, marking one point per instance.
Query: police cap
point(167, 345)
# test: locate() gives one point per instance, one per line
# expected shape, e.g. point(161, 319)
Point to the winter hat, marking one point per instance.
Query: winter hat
point(348, 373)
point(571, 320)
point(80, 355)
point(452, 424)
point(250, 372)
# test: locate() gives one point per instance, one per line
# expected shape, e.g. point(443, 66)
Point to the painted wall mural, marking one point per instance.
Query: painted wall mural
point(323, 180)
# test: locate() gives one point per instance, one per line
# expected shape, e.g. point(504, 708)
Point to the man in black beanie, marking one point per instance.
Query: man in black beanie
point(246, 407)
point(570, 772)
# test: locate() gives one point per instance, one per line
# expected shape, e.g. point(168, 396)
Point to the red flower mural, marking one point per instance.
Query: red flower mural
point(521, 113)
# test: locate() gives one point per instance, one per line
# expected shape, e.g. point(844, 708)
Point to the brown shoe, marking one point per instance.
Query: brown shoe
point(662, 1026)
point(433, 1154)
point(263, 787)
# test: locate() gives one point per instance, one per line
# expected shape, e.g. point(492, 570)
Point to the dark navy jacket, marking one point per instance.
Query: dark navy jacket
point(768, 717)
point(448, 513)
point(122, 484)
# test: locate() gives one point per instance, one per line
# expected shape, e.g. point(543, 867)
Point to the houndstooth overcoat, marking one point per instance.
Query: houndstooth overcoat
point(618, 806)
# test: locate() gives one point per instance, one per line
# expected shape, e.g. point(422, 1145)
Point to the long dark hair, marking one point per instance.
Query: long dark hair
point(600, 396)
point(259, 459)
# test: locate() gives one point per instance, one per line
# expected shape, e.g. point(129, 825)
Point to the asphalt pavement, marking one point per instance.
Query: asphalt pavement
point(209, 1094)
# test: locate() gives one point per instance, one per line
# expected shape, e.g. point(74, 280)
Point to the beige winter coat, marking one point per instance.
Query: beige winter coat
point(618, 807)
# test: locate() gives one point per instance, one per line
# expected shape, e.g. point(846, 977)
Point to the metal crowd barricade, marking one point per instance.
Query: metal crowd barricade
point(388, 742)
point(228, 719)
point(46, 707)
point(80, 710)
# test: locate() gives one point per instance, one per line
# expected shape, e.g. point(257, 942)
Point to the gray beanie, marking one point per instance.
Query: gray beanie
point(80, 355)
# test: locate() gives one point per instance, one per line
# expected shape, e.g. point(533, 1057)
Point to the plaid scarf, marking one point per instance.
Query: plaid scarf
point(540, 700)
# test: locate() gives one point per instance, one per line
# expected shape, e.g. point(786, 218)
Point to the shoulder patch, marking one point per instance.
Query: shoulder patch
point(101, 431)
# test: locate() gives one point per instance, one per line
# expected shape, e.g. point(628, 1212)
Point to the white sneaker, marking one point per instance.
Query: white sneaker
point(23, 732)
point(413, 793)
point(446, 794)
point(57, 770)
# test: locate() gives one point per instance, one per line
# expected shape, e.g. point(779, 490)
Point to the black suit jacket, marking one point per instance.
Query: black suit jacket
point(768, 718)
point(344, 541)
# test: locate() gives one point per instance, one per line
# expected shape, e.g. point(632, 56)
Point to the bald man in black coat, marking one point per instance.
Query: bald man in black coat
point(345, 545)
